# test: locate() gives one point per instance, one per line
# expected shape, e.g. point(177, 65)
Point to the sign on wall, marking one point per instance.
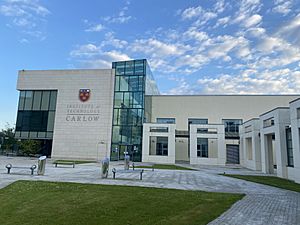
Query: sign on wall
point(83, 112)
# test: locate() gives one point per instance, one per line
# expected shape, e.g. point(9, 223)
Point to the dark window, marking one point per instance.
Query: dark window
point(232, 127)
point(289, 147)
point(202, 147)
point(159, 129)
point(37, 98)
point(166, 120)
point(32, 121)
point(36, 114)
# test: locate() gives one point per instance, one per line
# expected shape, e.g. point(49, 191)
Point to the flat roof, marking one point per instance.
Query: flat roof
point(274, 110)
point(297, 99)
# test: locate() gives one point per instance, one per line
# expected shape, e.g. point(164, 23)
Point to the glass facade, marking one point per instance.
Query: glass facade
point(133, 80)
point(232, 128)
point(36, 114)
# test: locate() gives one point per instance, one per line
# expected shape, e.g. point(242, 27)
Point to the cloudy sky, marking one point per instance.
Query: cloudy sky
point(193, 47)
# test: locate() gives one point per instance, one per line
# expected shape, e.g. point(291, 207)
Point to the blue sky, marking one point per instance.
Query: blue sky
point(193, 47)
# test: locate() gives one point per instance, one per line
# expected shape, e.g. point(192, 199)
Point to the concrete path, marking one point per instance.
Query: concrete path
point(262, 204)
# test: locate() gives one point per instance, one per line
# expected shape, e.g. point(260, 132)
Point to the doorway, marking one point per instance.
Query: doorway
point(233, 154)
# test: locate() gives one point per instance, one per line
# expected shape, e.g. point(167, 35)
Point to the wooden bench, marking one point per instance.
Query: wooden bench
point(64, 163)
point(10, 166)
point(127, 171)
point(151, 166)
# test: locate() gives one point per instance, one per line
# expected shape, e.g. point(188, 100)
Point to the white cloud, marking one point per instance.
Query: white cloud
point(222, 21)
point(194, 33)
point(291, 30)
point(95, 28)
point(256, 31)
point(192, 12)
point(273, 82)
point(122, 16)
point(110, 40)
point(283, 7)
point(88, 51)
point(157, 48)
point(247, 8)
point(253, 20)
point(219, 6)
point(26, 15)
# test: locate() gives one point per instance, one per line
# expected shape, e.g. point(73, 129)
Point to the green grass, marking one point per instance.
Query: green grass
point(268, 180)
point(68, 162)
point(40, 202)
point(165, 167)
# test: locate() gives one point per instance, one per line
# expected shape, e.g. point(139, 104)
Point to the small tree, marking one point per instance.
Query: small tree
point(30, 147)
point(8, 137)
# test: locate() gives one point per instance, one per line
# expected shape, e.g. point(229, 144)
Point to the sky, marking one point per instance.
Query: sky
point(193, 47)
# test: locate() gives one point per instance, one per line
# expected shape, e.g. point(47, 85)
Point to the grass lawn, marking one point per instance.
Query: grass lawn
point(40, 202)
point(165, 166)
point(67, 162)
point(272, 181)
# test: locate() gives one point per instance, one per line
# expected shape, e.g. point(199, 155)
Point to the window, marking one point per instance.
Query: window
point(37, 100)
point(202, 147)
point(198, 121)
point(36, 114)
point(28, 100)
point(166, 120)
point(158, 146)
point(298, 113)
point(159, 129)
point(232, 125)
point(232, 128)
point(289, 147)
point(268, 122)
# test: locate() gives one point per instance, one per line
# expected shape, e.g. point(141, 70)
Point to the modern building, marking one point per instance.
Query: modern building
point(91, 114)
point(271, 142)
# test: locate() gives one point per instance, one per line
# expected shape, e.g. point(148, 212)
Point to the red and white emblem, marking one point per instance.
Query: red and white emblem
point(84, 94)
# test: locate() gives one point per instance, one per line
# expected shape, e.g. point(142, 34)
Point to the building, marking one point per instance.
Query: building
point(92, 114)
point(271, 142)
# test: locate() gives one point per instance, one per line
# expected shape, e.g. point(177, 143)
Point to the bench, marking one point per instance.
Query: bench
point(146, 165)
point(127, 171)
point(10, 166)
point(64, 163)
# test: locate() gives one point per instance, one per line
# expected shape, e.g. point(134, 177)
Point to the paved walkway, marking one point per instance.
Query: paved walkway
point(262, 204)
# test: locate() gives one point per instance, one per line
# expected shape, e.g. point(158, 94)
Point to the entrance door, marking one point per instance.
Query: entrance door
point(122, 149)
point(233, 154)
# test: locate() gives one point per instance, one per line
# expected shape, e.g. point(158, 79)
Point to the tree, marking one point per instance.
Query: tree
point(30, 147)
point(8, 139)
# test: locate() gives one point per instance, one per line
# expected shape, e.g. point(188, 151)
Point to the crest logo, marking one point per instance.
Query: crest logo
point(84, 94)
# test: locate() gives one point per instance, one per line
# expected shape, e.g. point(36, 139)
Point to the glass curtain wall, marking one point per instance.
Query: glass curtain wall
point(128, 113)
point(36, 113)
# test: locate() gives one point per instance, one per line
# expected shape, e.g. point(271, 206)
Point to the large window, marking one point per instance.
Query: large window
point(36, 113)
point(289, 147)
point(202, 147)
point(232, 127)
